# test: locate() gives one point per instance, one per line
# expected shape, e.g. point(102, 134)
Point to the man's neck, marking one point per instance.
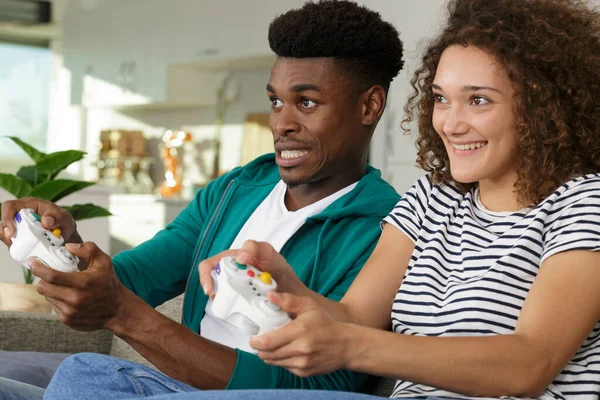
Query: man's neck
point(300, 196)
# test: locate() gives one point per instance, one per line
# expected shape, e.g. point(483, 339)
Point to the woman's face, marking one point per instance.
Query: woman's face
point(473, 114)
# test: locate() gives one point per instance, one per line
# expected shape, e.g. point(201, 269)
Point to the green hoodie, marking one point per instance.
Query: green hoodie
point(327, 253)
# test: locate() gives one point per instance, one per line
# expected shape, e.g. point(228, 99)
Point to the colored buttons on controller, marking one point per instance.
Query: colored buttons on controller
point(18, 217)
point(37, 217)
point(240, 266)
point(56, 232)
point(218, 269)
point(265, 277)
point(251, 274)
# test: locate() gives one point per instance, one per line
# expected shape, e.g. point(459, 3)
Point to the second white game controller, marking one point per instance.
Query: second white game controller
point(31, 239)
point(241, 298)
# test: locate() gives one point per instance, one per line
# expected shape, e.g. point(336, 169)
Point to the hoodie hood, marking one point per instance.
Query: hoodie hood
point(372, 196)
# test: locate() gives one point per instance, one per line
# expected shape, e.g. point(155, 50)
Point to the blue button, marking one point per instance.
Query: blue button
point(18, 218)
point(218, 269)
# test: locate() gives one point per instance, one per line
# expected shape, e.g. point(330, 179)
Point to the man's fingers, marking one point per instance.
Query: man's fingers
point(66, 295)
point(90, 252)
point(7, 222)
point(52, 276)
point(205, 268)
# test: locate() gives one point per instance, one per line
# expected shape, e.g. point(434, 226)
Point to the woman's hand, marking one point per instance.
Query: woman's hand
point(259, 255)
point(312, 344)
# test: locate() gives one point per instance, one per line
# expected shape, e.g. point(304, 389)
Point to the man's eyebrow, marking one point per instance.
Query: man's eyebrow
point(304, 87)
point(469, 88)
point(297, 88)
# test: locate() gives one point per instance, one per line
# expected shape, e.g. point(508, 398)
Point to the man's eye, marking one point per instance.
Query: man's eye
point(276, 103)
point(306, 103)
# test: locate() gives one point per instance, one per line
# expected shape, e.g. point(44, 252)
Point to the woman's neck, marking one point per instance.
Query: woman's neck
point(499, 195)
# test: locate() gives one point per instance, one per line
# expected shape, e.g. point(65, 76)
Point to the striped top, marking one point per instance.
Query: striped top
point(472, 269)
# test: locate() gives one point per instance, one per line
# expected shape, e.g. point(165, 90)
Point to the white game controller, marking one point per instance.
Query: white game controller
point(31, 239)
point(241, 298)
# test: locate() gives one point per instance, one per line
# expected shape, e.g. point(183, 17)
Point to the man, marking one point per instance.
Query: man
point(315, 201)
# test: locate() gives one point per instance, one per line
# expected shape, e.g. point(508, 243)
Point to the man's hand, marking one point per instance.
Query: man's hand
point(261, 256)
point(86, 300)
point(52, 216)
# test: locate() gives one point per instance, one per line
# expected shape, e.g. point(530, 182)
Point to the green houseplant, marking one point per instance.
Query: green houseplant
point(39, 180)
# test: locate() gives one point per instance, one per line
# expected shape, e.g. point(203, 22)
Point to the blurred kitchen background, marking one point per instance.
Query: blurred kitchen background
point(163, 95)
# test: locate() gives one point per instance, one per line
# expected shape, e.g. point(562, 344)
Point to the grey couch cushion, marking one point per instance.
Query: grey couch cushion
point(44, 333)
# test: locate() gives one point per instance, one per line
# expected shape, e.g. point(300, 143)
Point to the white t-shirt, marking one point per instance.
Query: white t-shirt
point(271, 222)
point(472, 269)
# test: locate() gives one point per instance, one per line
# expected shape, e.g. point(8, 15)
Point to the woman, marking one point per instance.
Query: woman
point(488, 269)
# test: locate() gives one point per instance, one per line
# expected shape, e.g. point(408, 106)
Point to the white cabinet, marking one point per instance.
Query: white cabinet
point(117, 51)
point(203, 31)
point(137, 218)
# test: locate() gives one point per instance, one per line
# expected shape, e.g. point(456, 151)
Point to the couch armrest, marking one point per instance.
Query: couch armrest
point(25, 331)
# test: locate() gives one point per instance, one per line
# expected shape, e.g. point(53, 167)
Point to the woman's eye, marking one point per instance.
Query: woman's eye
point(480, 101)
point(439, 98)
point(306, 103)
point(276, 103)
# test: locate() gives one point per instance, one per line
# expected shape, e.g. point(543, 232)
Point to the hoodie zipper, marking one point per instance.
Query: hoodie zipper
point(187, 284)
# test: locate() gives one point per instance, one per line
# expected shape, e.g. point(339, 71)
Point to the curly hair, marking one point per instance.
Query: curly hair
point(551, 52)
point(367, 48)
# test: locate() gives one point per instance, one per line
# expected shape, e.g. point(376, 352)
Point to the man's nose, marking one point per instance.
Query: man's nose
point(284, 122)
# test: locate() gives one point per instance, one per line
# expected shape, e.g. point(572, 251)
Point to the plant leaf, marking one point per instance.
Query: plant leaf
point(15, 185)
point(86, 211)
point(57, 189)
point(28, 276)
point(51, 164)
point(31, 151)
point(31, 175)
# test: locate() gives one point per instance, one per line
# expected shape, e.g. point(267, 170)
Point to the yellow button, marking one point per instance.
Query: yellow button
point(56, 232)
point(265, 277)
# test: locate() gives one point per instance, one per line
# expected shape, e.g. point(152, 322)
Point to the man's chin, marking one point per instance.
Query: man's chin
point(291, 180)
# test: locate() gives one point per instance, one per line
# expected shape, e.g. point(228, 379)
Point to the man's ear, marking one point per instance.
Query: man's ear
point(373, 106)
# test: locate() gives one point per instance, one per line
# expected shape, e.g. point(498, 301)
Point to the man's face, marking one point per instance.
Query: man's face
point(315, 120)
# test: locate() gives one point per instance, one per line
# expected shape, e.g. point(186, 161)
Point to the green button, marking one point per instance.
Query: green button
point(39, 219)
point(241, 266)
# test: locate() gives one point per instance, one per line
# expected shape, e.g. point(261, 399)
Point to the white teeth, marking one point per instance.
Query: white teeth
point(288, 154)
point(469, 146)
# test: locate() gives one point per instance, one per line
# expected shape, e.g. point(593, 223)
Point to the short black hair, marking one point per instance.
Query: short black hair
point(366, 47)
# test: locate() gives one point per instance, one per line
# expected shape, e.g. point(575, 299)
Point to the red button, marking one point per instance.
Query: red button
point(251, 274)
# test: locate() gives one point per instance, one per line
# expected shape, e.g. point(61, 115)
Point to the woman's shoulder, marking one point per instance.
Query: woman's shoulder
point(577, 189)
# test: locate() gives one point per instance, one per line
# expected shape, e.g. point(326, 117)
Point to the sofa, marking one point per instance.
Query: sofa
point(35, 332)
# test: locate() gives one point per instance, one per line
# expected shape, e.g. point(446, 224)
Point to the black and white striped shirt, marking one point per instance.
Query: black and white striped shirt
point(472, 269)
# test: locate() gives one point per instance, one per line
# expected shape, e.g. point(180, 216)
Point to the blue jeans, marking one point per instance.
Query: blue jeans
point(13, 390)
point(95, 376)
